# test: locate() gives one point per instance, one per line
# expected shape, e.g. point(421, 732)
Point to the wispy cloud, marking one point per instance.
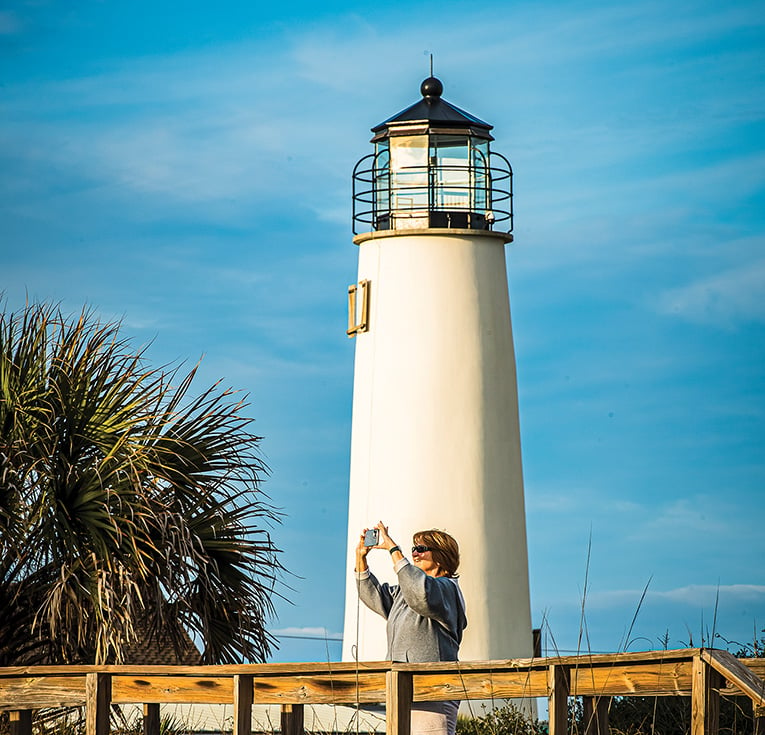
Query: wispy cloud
point(698, 595)
point(726, 299)
point(307, 632)
point(689, 515)
point(587, 500)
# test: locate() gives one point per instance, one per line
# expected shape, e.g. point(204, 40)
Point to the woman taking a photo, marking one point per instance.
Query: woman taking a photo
point(425, 611)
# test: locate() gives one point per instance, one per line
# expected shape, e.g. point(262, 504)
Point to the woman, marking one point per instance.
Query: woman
point(425, 611)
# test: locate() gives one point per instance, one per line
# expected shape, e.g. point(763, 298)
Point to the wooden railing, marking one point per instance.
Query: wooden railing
point(701, 674)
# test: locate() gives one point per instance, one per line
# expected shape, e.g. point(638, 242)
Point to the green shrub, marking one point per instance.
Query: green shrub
point(507, 720)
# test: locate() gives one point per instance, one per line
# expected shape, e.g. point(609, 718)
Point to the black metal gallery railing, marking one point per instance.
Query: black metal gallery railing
point(436, 195)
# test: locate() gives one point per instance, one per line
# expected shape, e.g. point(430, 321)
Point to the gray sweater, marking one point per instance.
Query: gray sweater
point(426, 615)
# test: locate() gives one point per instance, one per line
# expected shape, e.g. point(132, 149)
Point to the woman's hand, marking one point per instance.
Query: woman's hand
point(361, 547)
point(361, 553)
point(386, 542)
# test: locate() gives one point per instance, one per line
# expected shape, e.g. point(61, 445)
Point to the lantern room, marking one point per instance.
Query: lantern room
point(432, 168)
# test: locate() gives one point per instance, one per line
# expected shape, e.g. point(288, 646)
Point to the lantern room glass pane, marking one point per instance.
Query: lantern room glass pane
point(409, 173)
point(381, 183)
point(481, 178)
point(450, 157)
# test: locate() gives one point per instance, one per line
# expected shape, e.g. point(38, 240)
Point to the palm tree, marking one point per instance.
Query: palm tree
point(127, 507)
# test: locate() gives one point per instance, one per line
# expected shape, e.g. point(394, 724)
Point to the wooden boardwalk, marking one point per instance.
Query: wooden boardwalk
point(700, 674)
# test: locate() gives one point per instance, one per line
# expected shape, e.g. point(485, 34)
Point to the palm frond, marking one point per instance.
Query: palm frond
point(122, 497)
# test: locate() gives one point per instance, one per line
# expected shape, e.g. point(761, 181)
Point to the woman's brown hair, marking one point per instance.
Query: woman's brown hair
point(443, 548)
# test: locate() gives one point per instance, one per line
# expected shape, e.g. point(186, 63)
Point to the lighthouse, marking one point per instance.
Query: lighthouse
point(435, 433)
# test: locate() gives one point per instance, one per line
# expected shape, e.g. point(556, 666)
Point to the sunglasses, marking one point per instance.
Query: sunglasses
point(420, 549)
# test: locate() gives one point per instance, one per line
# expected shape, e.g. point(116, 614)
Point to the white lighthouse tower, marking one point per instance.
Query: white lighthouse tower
point(436, 439)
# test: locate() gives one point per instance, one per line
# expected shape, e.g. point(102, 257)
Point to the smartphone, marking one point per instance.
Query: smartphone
point(372, 537)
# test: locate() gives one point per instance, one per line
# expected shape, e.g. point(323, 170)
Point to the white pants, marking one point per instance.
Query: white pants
point(434, 718)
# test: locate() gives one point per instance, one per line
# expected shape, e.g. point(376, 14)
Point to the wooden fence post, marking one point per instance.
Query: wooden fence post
point(151, 719)
point(293, 716)
point(759, 720)
point(98, 701)
point(595, 712)
point(21, 722)
point(705, 698)
point(399, 690)
point(559, 683)
point(243, 696)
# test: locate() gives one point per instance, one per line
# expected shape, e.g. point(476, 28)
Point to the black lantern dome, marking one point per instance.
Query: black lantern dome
point(432, 168)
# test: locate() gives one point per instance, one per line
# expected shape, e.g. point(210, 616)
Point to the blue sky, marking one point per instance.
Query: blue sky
point(185, 167)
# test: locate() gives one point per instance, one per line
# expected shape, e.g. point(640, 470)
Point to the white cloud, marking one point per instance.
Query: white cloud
point(690, 514)
point(707, 594)
point(588, 501)
point(726, 299)
point(699, 595)
point(308, 632)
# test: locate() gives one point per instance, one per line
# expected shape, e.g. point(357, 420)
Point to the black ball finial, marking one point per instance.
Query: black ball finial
point(431, 87)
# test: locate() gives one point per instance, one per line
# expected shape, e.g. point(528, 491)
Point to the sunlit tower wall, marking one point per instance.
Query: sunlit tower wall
point(436, 438)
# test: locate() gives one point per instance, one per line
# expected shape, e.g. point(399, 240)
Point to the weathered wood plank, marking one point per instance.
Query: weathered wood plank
point(313, 667)
point(317, 667)
point(20, 722)
point(480, 685)
point(42, 691)
point(755, 665)
point(736, 673)
point(678, 654)
point(643, 679)
point(98, 700)
point(399, 689)
point(242, 704)
point(292, 719)
point(337, 689)
point(172, 689)
point(151, 719)
point(559, 684)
